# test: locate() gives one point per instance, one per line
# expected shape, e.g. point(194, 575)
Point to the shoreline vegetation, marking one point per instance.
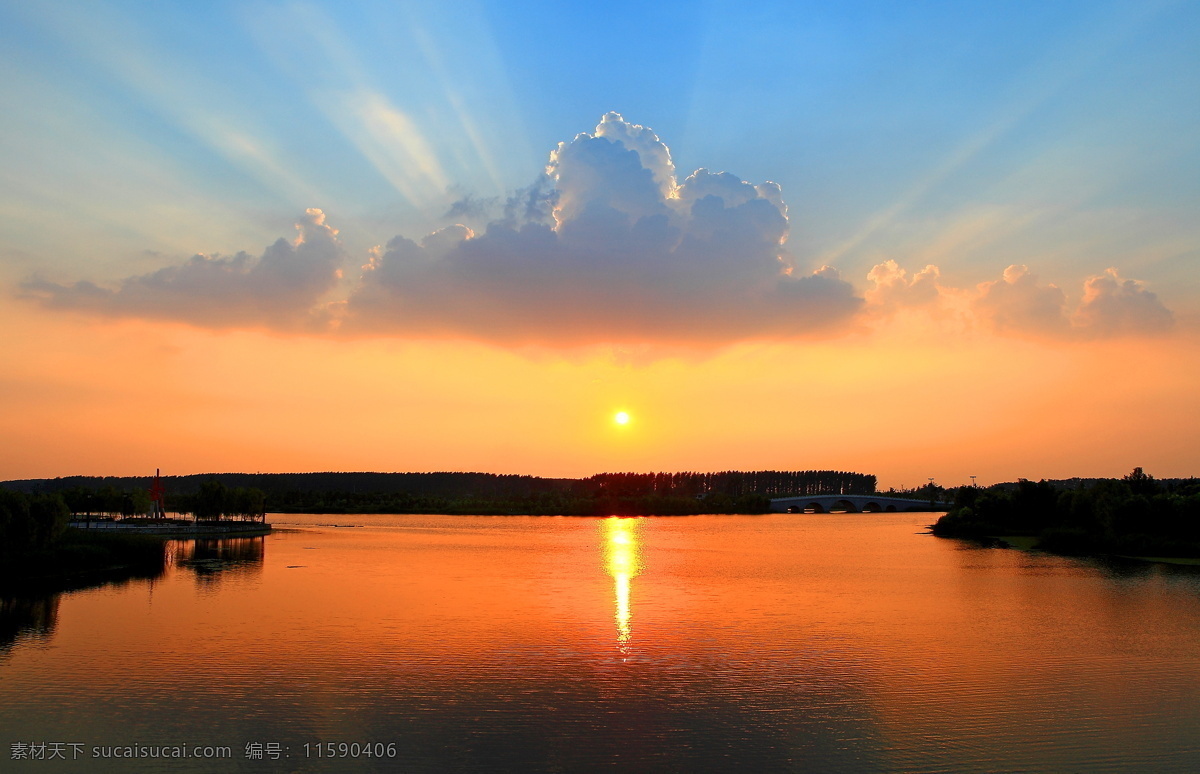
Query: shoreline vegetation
point(1134, 517)
point(623, 494)
point(39, 549)
point(112, 535)
point(41, 545)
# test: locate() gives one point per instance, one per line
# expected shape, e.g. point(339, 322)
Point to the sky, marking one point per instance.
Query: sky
point(921, 240)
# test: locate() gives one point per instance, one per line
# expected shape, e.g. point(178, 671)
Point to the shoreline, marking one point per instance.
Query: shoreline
point(172, 529)
point(1030, 543)
point(85, 557)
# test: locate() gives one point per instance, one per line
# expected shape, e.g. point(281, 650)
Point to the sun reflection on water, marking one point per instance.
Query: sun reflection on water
point(623, 562)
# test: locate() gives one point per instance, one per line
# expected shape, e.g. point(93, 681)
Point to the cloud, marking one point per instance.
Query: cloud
point(892, 286)
point(1115, 306)
point(609, 247)
point(1017, 304)
point(1110, 306)
point(533, 203)
point(471, 207)
point(279, 289)
point(606, 246)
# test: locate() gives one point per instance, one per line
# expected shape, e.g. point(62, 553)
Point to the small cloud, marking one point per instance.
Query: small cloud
point(1113, 306)
point(1016, 303)
point(278, 289)
point(534, 203)
point(892, 287)
point(472, 207)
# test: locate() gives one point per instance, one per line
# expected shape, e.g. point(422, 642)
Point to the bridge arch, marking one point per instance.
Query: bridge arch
point(806, 508)
point(850, 503)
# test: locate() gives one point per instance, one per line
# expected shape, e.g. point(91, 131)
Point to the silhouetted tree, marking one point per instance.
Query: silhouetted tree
point(1140, 483)
point(211, 500)
point(30, 522)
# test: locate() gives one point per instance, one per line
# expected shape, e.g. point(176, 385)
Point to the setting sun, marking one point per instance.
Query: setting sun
point(622, 418)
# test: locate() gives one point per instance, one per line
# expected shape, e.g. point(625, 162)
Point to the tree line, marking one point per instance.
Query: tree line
point(213, 500)
point(1136, 515)
point(650, 494)
point(106, 501)
point(217, 501)
point(231, 495)
point(443, 484)
point(544, 504)
point(456, 484)
point(732, 483)
point(37, 545)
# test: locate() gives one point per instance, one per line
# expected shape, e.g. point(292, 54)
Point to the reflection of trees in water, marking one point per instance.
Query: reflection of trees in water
point(29, 607)
point(1121, 568)
point(31, 612)
point(214, 560)
point(27, 618)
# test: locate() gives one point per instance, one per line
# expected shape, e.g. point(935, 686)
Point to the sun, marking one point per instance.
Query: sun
point(621, 418)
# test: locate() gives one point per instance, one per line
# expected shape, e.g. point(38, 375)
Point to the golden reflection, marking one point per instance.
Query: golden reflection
point(623, 561)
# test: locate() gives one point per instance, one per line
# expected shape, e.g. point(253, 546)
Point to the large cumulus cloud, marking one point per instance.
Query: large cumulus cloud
point(625, 252)
point(279, 289)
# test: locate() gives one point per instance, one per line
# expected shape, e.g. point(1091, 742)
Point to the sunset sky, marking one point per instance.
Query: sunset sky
point(915, 240)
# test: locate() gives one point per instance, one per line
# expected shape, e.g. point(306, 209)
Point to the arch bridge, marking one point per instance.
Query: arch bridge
point(869, 503)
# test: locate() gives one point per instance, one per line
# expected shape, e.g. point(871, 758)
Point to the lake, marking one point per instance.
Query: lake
point(840, 642)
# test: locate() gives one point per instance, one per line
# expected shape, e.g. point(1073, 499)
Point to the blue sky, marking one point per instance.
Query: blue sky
point(1062, 134)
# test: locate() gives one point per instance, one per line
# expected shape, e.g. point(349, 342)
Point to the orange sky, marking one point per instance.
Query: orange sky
point(405, 238)
point(505, 334)
point(83, 396)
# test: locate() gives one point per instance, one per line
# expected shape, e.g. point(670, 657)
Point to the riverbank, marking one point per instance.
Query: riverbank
point(1135, 517)
point(118, 550)
point(1033, 543)
point(79, 557)
point(173, 528)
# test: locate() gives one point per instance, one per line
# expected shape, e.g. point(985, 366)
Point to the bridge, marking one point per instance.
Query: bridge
point(868, 503)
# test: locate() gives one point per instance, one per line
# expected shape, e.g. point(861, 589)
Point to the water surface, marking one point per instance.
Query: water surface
point(782, 642)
